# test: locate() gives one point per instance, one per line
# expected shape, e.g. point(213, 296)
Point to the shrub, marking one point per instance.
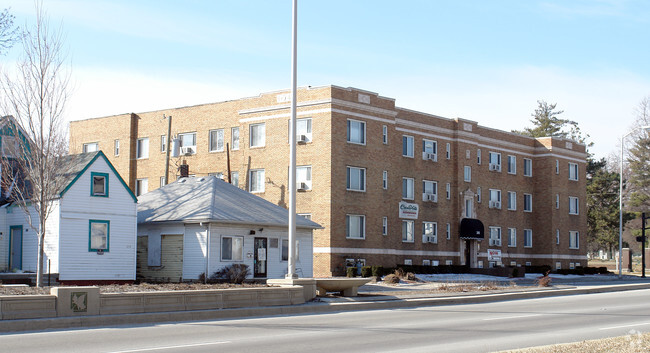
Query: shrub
point(400, 273)
point(366, 271)
point(411, 276)
point(351, 272)
point(543, 281)
point(391, 279)
point(377, 271)
point(235, 273)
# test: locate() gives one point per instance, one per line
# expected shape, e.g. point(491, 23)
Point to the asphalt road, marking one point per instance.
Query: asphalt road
point(456, 328)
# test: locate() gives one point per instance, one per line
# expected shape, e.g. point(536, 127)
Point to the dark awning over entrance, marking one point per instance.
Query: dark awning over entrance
point(471, 228)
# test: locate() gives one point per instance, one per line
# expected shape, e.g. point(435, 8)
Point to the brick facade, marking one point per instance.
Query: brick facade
point(329, 153)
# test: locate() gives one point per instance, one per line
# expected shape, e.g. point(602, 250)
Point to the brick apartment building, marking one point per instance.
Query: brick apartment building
point(390, 185)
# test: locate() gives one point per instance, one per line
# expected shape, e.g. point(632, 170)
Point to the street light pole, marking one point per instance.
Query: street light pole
point(291, 271)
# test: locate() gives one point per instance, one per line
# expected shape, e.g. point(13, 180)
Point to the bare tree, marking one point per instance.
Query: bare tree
point(35, 95)
point(8, 33)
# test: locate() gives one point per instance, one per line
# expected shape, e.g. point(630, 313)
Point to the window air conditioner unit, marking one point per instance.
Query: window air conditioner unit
point(302, 138)
point(430, 197)
point(431, 239)
point(495, 167)
point(495, 204)
point(493, 242)
point(187, 150)
point(429, 156)
point(302, 187)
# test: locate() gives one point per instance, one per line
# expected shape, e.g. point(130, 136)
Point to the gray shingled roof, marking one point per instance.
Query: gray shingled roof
point(201, 199)
point(70, 167)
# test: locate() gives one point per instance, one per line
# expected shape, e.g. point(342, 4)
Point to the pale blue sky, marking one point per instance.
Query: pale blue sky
point(488, 61)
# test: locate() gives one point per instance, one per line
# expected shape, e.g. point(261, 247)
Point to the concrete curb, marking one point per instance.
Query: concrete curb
point(303, 309)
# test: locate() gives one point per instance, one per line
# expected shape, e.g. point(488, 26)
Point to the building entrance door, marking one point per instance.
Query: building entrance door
point(259, 268)
point(16, 248)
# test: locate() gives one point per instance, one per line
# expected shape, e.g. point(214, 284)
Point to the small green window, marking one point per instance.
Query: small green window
point(99, 235)
point(99, 184)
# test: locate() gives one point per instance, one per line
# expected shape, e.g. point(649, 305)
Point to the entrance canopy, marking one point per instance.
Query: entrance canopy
point(471, 228)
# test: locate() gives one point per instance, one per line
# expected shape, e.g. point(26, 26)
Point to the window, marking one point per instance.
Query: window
point(512, 237)
point(407, 188)
point(355, 226)
point(573, 171)
point(407, 146)
point(285, 249)
point(512, 165)
point(512, 200)
point(495, 161)
point(163, 143)
point(117, 147)
point(142, 148)
point(256, 180)
point(356, 179)
point(232, 248)
point(557, 201)
point(305, 215)
point(557, 166)
point(571, 266)
point(216, 140)
point(495, 198)
point(429, 191)
point(234, 137)
point(448, 191)
point(528, 167)
point(448, 151)
point(408, 262)
point(574, 240)
point(303, 128)
point(429, 150)
point(528, 203)
point(448, 231)
point(478, 156)
point(557, 236)
point(384, 179)
point(257, 135)
point(384, 132)
point(528, 238)
point(495, 236)
point(99, 184)
point(163, 181)
point(573, 205)
point(468, 174)
point(478, 194)
point(558, 265)
point(469, 208)
point(384, 225)
point(234, 178)
point(429, 232)
point(188, 142)
point(99, 234)
point(407, 231)
point(303, 177)
point(141, 186)
point(426, 262)
point(90, 147)
point(356, 132)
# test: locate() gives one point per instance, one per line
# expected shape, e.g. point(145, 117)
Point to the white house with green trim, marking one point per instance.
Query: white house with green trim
point(91, 232)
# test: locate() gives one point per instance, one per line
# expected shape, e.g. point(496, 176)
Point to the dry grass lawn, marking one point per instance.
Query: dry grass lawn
point(633, 343)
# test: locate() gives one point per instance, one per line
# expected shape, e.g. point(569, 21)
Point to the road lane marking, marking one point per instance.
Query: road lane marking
point(624, 326)
point(171, 347)
point(510, 317)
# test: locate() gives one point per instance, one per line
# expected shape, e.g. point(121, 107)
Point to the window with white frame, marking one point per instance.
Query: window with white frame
point(407, 231)
point(495, 198)
point(384, 179)
point(355, 226)
point(90, 147)
point(117, 147)
point(216, 140)
point(429, 150)
point(356, 179)
point(256, 180)
point(528, 167)
point(285, 250)
point(234, 138)
point(188, 142)
point(384, 225)
point(558, 265)
point(234, 178)
point(448, 190)
point(257, 134)
point(512, 200)
point(232, 248)
point(303, 130)
point(142, 148)
point(557, 201)
point(408, 185)
point(141, 186)
point(429, 232)
point(467, 154)
point(429, 191)
point(495, 236)
point(574, 239)
point(408, 262)
point(478, 156)
point(478, 194)
point(573, 171)
point(557, 166)
point(573, 205)
point(512, 165)
point(356, 132)
point(426, 262)
point(163, 181)
point(495, 161)
point(448, 231)
point(512, 237)
point(407, 146)
point(448, 151)
point(163, 143)
point(303, 177)
point(305, 215)
point(467, 174)
point(384, 134)
point(469, 205)
point(557, 236)
point(528, 203)
point(528, 238)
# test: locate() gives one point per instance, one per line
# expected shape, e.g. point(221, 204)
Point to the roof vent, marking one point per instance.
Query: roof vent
point(182, 180)
point(201, 179)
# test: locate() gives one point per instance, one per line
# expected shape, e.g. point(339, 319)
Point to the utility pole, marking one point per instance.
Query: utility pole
point(642, 239)
point(169, 138)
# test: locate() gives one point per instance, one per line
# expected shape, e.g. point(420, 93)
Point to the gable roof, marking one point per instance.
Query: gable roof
point(73, 166)
point(209, 199)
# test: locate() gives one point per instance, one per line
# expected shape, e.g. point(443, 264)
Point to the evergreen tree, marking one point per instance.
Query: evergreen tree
point(639, 180)
point(546, 123)
point(602, 206)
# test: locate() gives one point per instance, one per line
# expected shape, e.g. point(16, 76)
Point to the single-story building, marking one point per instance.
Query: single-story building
point(199, 225)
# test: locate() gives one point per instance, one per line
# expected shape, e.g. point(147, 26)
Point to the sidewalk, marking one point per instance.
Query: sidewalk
point(372, 297)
